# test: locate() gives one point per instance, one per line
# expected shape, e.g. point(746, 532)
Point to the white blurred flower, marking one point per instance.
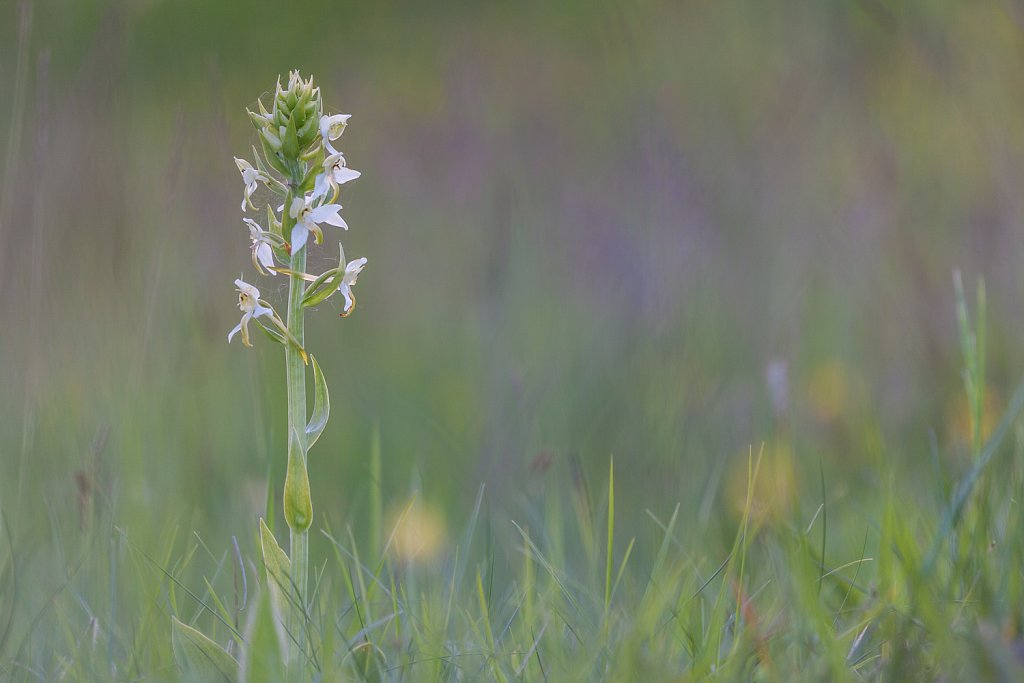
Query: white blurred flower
point(308, 217)
point(249, 303)
point(250, 177)
point(348, 279)
point(331, 128)
point(335, 173)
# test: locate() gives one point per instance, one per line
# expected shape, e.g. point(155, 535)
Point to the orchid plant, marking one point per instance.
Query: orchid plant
point(304, 172)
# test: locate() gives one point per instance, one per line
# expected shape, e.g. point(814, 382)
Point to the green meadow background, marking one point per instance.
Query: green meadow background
point(672, 233)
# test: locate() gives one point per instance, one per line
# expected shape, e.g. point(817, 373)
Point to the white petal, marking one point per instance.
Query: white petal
point(261, 310)
point(300, 233)
point(331, 127)
point(265, 255)
point(328, 213)
point(332, 160)
point(297, 205)
point(343, 174)
point(355, 267)
point(321, 188)
point(347, 293)
point(254, 228)
point(247, 289)
point(320, 213)
point(251, 176)
point(232, 333)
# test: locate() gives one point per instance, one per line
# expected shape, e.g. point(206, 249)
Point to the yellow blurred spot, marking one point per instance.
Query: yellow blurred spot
point(828, 390)
point(958, 417)
point(417, 532)
point(774, 489)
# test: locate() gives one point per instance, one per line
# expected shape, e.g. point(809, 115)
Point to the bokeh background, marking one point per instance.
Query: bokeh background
point(665, 231)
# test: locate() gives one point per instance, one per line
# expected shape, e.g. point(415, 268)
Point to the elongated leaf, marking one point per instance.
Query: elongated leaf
point(295, 273)
point(298, 504)
point(285, 334)
point(274, 335)
point(321, 406)
point(201, 659)
point(279, 580)
point(256, 155)
point(320, 289)
point(316, 295)
point(263, 657)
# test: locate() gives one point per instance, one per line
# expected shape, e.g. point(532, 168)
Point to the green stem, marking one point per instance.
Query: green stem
point(296, 380)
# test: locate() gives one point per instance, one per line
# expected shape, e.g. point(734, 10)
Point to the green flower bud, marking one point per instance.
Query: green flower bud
point(290, 141)
point(308, 133)
point(301, 104)
point(259, 121)
point(271, 138)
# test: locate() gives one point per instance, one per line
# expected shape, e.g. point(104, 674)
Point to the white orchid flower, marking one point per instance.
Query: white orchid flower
point(348, 280)
point(335, 173)
point(262, 250)
point(250, 177)
point(308, 217)
point(249, 303)
point(331, 128)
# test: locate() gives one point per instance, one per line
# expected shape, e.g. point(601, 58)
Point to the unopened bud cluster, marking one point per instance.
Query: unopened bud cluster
point(290, 131)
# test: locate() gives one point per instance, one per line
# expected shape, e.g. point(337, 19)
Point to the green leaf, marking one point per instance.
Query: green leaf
point(201, 659)
point(274, 227)
point(325, 290)
point(298, 504)
point(318, 291)
point(259, 161)
point(263, 657)
point(321, 406)
point(279, 576)
point(272, 334)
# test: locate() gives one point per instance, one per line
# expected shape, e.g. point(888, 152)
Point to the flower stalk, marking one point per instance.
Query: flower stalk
point(298, 521)
point(300, 165)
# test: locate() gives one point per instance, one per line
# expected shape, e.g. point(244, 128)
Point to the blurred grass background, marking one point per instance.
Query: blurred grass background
point(668, 231)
